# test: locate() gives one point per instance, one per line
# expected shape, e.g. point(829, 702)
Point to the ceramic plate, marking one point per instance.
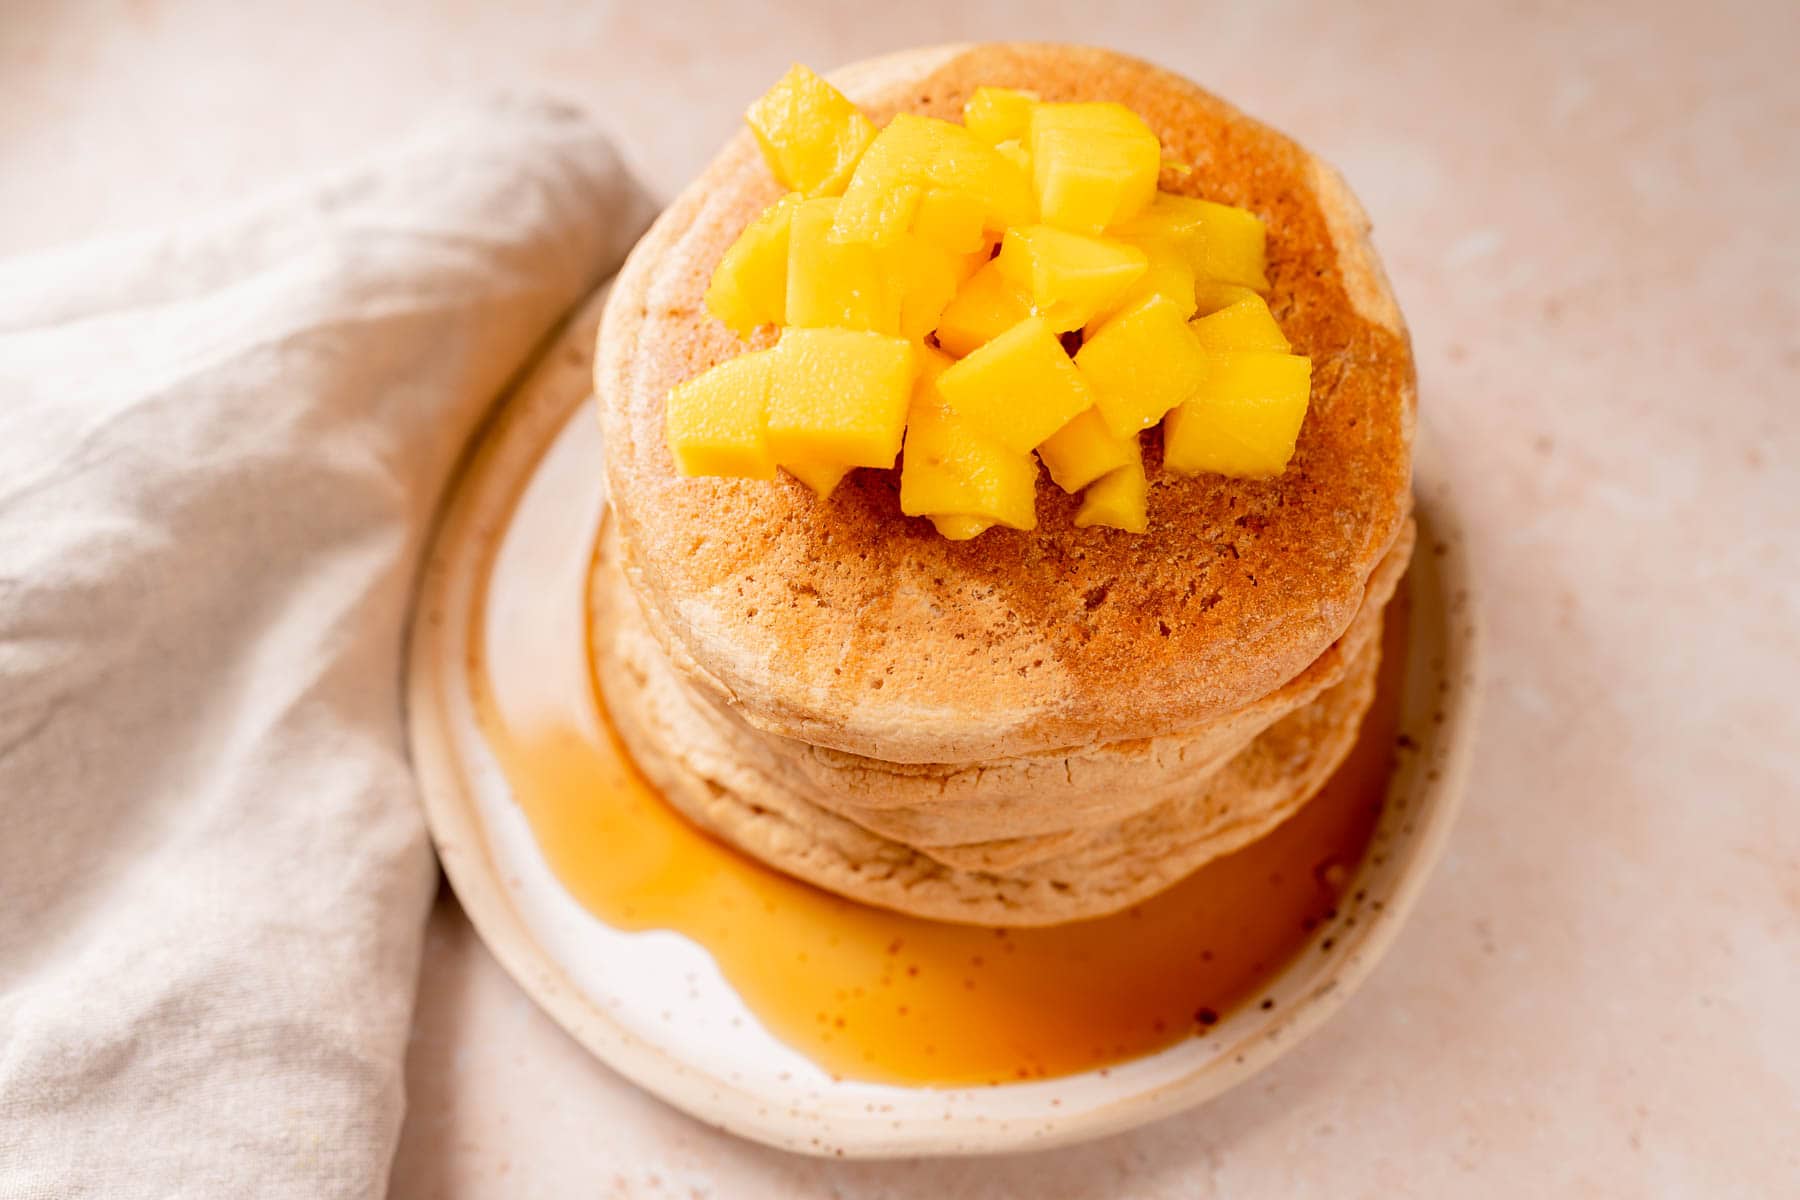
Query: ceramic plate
point(654, 1007)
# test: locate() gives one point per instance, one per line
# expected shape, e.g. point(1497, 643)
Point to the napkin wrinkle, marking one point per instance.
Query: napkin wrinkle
point(221, 453)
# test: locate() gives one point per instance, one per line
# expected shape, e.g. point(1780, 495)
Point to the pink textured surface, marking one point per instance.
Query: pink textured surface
point(1588, 219)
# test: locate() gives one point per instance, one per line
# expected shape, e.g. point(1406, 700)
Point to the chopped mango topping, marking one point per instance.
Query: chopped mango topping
point(954, 221)
point(1069, 277)
point(990, 241)
point(1244, 325)
point(953, 469)
point(998, 115)
point(1084, 450)
point(716, 420)
point(749, 289)
point(1121, 500)
point(822, 478)
point(1233, 246)
point(810, 135)
point(1245, 418)
point(1169, 275)
point(914, 154)
point(957, 528)
point(1019, 388)
point(985, 307)
point(1013, 151)
point(1224, 244)
point(1093, 165)
point(1141, 364)
point(1210, 297)
point(839, 396)
point(844, 285)
point(928, 278)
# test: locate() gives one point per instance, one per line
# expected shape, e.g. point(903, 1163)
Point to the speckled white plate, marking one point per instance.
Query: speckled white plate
point(654, 1006)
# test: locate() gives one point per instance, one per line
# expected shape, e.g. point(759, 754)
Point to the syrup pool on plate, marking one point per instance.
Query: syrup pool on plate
point(870, 994)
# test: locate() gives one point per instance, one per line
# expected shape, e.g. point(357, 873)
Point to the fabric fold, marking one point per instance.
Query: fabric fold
point(222, 448)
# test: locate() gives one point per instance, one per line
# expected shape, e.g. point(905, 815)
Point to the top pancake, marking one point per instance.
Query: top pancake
point(849, 625)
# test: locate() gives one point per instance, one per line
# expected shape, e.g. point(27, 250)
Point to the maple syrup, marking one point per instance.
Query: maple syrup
point(875, 995)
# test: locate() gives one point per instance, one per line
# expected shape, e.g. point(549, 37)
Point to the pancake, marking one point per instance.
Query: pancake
point(845, 625)
point(1028, 802)
point(719, 775)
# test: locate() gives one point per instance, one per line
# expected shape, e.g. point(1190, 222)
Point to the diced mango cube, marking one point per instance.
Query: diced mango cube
point(1140, 364)
point(809, 133)
point(1245, 325)
point(984, 307)
point(716, 421)
point(843, 285)
point(953, 469)
point(839, 396)
point(1093, 165)
point(1169, 275)
point(1210, 297)
point(927, 277)
point(957, 528)
point(822, 478)
point(997, 114)
point(1084, 450)
point(1121, 500)
point(1245, 418)
point(1225, 244)
point(1019, 388)
point(954, 221)
point(914, 154)
point(1069, 277)
point(1168, 217)
point(749, 286)
point(1013, 151)
point(1234, 246)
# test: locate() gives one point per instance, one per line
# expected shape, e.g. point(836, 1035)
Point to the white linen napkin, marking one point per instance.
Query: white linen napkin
point(220, 451)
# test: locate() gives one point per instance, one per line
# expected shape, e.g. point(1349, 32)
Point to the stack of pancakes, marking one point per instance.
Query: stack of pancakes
point(1029, 727)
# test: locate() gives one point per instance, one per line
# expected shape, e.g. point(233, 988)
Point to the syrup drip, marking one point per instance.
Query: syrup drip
point(874, 995)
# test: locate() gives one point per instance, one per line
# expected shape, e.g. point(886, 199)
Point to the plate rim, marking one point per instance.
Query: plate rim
point(1429, 784)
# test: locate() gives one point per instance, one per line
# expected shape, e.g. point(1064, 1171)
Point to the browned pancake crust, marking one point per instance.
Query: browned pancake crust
point(849, 625)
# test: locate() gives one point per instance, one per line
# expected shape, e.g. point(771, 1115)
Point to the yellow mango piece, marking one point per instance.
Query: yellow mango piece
point(928, 277)
point(914, 154)
point(984, 307)
point(1019, 388)
point(953, 469)
point(954, 221)
point(1234, 246)
point(997, 115)
point(1084, 450)
point(1245, 418)
point(716, 421)
point(1225, 244)
point(1168, 217)
point(1093, 165)
point(1169, 275)
point(836, 284)
point(1013, 151)
point(1068, 276)
point(822, 478)
point(957, 528)
point(1245, 325)
point(1121, 500)
point(968, 264)
point(749, 287)
point(838, 397)
point(809, 133)
point(1140, 364)
point(1210, 297)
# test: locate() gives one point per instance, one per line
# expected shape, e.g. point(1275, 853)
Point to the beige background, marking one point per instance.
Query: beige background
point(1589, 217)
